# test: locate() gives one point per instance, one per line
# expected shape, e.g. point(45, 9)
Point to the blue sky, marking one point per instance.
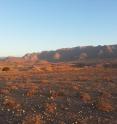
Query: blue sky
point(35, 25)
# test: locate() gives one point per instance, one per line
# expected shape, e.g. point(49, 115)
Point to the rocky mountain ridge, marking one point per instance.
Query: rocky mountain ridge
point(75, 54)
point(70, 54)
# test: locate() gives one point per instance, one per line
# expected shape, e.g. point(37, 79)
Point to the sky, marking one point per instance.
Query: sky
point(35, 25)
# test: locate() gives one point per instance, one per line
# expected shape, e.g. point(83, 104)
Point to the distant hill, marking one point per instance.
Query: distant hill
point(69, 54)
point(74, 54)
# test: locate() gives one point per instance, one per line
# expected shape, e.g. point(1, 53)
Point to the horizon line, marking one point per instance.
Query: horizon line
point(55, 50)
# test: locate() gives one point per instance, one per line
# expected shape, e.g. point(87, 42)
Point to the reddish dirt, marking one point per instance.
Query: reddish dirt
point(45, 93)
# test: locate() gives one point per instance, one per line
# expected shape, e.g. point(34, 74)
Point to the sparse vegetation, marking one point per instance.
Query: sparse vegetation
point(33, 119)
point(85, 97)
point(58, 94)
point(11, 103)
point(104, 105)
point(6, 69)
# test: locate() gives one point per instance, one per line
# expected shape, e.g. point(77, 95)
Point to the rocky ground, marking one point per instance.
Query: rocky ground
point(44, 93)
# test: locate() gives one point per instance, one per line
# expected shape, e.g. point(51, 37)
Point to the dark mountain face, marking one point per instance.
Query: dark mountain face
point(75, 54)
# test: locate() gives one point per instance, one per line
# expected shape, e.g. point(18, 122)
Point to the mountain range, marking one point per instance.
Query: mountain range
point(71, 54)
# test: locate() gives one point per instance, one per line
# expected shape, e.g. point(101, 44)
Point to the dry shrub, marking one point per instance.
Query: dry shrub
point(50, 107)
point(104, 105)
point(107, 78)
point(31, 92)
point(5, 69)
point(106, 95)
point(32, 89)
point(31, 86)
point(13, 87)
point(85, 97)
point(4, 91)
point(11, 103)
point(76, 87)
point(56, 94)
point(33, 119)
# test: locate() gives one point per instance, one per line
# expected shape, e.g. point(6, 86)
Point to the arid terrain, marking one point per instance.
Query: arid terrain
point(58, 93)
point(58, 61)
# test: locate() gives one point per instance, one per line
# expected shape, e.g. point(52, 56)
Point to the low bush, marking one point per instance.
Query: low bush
point(104, 106)
point(85, 97)
point(5, 69)
point(33, 119)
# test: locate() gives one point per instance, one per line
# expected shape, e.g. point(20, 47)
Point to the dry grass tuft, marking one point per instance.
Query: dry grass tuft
point(11, 103)
point(33, 119)
point(50, 107)
point(104, 105)
point(5, 69)
point(85, 97)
